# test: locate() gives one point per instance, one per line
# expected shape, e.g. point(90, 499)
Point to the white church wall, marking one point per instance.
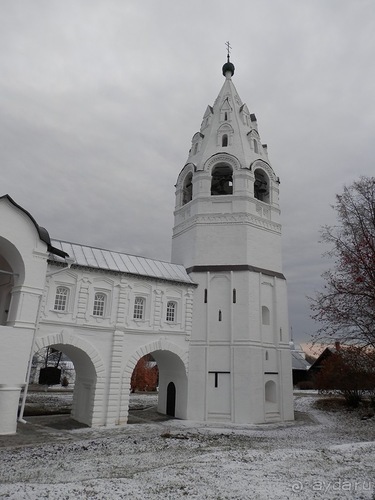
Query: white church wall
point(115, 336)
point(243, 307)
point(25, 258)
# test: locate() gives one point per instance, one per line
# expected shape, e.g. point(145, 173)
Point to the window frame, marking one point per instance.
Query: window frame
point(171, 313)
point(61, 300)
point(102, 306)
point(139, 305)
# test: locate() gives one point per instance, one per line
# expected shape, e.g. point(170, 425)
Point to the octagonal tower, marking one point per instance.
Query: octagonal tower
point(227, 234)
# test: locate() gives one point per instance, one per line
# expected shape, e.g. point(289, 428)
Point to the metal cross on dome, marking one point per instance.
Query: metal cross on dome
point(229, 48)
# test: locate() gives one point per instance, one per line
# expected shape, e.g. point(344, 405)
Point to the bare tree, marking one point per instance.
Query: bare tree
point(345, 308)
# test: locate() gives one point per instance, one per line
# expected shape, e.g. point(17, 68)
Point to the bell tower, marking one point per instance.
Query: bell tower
point(227, 234)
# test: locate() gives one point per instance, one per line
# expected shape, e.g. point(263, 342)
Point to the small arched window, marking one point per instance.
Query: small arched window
point(222, 180)
point(61, 298)
point(224, 141)
point(225, 116)
point(195, 148)
point(171, 311)
point(270, 392)
point(99, 304)
point(255, 144)
point(187, 190)
point(139, 308)
point(265, 315)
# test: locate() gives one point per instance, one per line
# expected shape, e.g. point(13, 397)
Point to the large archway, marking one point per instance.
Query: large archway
point(89, 376)
point(172, 365)
point(12, 272)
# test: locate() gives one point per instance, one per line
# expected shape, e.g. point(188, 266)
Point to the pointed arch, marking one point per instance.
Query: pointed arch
point(225, 110)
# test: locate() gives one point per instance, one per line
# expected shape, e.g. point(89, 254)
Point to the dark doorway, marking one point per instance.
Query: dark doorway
point(171, 399)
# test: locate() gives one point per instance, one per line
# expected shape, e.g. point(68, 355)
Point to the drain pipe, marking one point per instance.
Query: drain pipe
point(69, 261)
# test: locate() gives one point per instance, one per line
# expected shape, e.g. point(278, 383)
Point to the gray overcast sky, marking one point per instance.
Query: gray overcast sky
point(99, 101)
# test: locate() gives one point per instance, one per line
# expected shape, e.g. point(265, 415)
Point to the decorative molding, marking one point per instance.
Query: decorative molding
point(188, 168)
point(263, 165)
point(237, 267)
point(241, 218)
point(222, 158)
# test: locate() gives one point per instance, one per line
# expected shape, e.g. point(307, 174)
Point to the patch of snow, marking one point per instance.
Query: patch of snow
point(320, 455)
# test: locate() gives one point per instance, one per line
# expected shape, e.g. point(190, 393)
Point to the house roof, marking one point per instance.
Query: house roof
point(42, 231)
point(108, 260)
point(314, 349)
point(299, 362)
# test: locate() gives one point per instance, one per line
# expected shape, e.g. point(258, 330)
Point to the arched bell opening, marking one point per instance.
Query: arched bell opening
point(187, 190)
point(261, 186)
point(222, 180)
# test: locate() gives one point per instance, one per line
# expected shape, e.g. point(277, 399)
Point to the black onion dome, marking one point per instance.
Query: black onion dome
point(228, 66)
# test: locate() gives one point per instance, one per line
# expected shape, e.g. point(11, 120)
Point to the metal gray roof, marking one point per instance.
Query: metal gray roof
point(108, 260)
point(299, 362)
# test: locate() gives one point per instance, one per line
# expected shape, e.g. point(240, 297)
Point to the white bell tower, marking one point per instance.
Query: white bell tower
point(227, 234)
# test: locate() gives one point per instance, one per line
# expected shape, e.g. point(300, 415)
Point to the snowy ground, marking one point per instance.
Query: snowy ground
point(324, 454)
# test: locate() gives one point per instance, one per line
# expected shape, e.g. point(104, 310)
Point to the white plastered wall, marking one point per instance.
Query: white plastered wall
point(26, 255)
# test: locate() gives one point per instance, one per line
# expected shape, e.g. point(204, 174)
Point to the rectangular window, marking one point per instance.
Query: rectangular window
point(139, 308)
point(61, 298)
point(171, 311)
point(99, 304)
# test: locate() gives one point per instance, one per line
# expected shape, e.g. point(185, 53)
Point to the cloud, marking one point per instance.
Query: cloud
point(99, 102)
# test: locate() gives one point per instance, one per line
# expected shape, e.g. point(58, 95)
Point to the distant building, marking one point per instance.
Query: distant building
point(215, 320)
point(300, 366)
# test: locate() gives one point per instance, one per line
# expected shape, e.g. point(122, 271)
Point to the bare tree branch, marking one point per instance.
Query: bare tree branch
point(345, 308)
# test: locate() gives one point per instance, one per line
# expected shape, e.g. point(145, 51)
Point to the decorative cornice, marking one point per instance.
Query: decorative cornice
point(238, 267)
point(241, 218)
